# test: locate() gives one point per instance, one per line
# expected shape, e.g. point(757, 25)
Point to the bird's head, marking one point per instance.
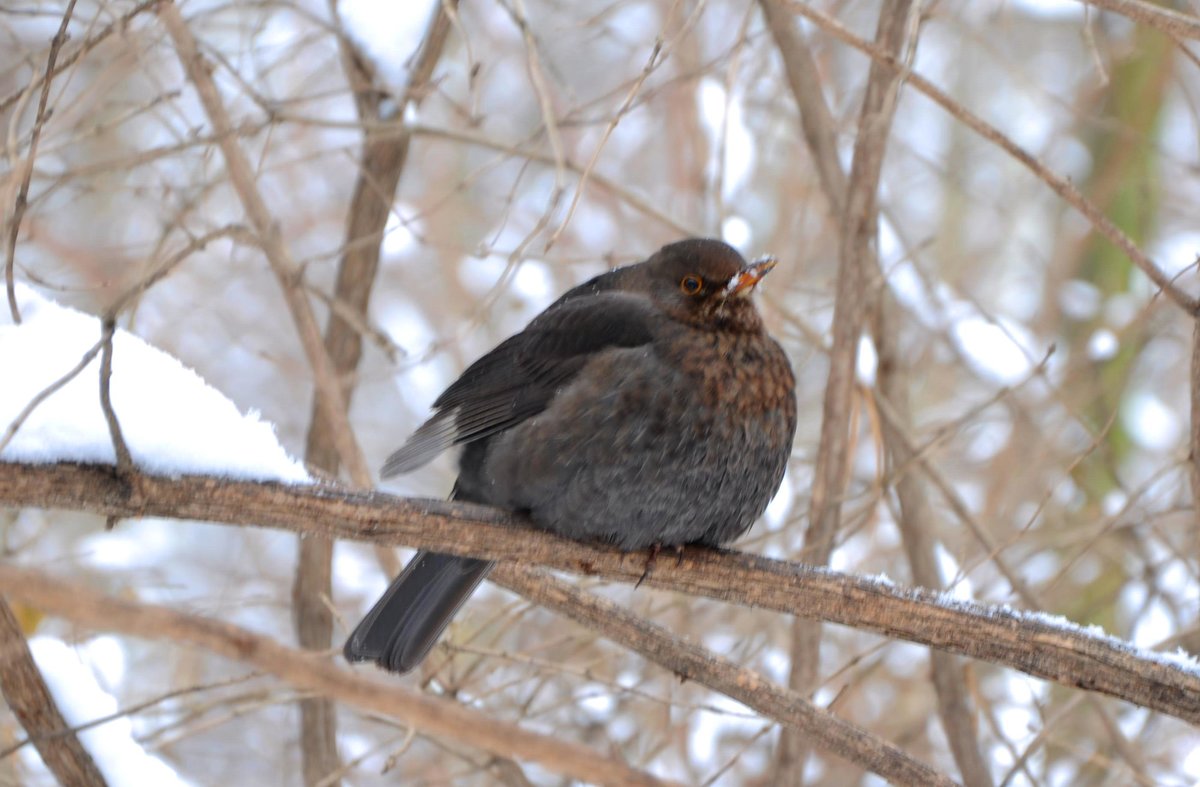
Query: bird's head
point(707, 284)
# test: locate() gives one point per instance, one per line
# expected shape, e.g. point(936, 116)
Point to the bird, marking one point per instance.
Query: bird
point(645, 408)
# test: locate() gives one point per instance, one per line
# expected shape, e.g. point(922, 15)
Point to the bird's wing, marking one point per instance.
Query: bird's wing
point(519, 377)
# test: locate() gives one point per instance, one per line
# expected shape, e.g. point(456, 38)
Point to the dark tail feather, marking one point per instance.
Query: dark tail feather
point(404, 624)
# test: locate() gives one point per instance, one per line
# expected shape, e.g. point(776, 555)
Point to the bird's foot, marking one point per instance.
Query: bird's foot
point(651, 559)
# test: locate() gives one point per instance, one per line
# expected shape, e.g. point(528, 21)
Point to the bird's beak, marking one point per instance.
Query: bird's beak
point(743, 283)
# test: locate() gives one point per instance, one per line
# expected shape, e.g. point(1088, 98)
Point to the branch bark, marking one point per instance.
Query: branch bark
point(1032, 644)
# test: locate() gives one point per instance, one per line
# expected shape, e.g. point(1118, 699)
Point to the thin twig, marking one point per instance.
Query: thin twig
point(124, 461)
point(916, 520)
point(1160, 17)
point(379, 169)
point(630, 198)
point(234, 231)
point(22, 201)
point(541, 89)
point(46, 393)
point(903, 442)
point(859, 219)
point(657, 57)
point(118, 25)
point(129, 710)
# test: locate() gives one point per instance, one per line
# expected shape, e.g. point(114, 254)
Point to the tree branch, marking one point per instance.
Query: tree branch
point(1029, 643)
point(30, 701)
point(25, 166)
point(819, 134)
point(915, 513)
point(241, 177)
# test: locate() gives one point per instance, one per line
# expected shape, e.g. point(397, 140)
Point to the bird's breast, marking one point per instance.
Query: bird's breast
point(746, 372)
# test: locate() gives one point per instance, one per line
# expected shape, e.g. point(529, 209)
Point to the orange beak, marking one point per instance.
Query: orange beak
point(744, 282)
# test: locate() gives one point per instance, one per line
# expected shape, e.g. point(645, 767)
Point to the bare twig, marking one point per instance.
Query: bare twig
point(382, 162)
point(537, 80)
point(26, 165)
point(657, 57)
point(629, 197)
point(129, 710)
point(898, 435)
point(303, 670)
point(819, 134)
point(999, 635)
point(313, 619)
point(916, 521)
point(118, 25)
point(234, 231)
point(124, 460)
point(46, 393)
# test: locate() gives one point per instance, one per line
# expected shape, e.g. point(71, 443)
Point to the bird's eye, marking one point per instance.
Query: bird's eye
point(690, 284)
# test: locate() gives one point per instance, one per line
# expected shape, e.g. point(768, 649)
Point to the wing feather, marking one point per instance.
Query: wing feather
point(520, 377)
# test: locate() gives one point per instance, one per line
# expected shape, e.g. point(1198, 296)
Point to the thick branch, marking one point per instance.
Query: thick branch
point(999, 635)
point(433, 715)
point(30, 701)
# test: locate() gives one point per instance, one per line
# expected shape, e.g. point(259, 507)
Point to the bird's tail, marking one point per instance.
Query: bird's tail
point(408, 618)
point(404, 624)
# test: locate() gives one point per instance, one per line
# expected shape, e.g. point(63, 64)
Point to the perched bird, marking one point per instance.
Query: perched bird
point(647, 407)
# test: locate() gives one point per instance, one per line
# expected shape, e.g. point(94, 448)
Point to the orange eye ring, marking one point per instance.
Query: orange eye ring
point(690, 284)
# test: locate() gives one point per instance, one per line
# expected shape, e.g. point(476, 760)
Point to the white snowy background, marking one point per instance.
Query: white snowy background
point(209, 377)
